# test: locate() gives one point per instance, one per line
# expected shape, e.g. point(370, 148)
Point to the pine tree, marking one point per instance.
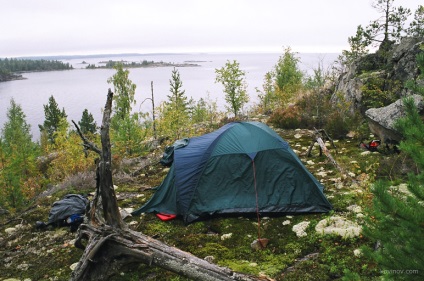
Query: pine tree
point(396, 219)
point(416, 27)
point(87, 123)
point(381, 32)
point(53, 115)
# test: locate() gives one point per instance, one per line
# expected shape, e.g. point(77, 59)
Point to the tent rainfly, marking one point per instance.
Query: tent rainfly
point(243, 167)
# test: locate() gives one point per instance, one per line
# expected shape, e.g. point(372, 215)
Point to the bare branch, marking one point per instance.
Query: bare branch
point(86, 143)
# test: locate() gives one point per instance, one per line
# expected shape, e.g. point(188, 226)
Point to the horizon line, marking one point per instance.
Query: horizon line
point(94, 54)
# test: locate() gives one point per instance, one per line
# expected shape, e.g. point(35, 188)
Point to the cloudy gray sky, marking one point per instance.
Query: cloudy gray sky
point(54, 27)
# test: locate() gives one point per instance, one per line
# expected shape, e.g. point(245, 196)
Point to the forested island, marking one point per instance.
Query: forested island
point(144, 63)
point(10, 69)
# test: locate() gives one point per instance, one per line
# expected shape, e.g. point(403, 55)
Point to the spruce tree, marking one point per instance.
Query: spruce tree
point(177, 99)
point(176, 107)
point(396, 219)
point(53, 116)
point(87, 123)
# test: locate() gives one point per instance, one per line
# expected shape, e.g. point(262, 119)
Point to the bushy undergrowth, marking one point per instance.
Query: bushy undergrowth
point(379, 92)
point(289, 118)
point(315, 110)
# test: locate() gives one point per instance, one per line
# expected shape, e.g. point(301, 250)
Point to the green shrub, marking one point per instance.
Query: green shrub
point(315, 108)
point(378, 92)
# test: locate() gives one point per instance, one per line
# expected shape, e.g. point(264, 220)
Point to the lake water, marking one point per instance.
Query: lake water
point(80, 88)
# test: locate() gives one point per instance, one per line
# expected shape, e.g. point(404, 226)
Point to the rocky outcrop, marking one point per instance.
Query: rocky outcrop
point(401, 66)
point(381, 120)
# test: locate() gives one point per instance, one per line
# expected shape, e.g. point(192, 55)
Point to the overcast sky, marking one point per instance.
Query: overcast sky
point(59, 27)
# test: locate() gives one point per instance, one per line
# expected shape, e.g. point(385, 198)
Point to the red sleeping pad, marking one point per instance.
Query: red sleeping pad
point(166, 217)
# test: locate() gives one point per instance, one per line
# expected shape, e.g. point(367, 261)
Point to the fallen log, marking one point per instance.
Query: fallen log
point(109, 249)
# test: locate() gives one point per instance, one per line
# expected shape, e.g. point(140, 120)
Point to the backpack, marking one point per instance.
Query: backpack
point(68, 211)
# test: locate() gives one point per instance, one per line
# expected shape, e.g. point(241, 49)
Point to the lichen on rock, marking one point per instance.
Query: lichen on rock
point(300, 228)
point(339, 226)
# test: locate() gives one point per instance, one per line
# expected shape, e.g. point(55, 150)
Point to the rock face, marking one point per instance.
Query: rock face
point(403, 59)
point(401, 64)
point(381, 120)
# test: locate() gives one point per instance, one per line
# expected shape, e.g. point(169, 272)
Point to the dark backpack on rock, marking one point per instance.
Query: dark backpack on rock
point(69, 211)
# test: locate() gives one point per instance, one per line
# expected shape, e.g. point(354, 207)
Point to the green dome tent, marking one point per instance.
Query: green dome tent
point(243, 167)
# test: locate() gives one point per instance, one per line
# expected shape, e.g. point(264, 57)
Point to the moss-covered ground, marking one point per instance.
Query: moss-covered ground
point(27, 253)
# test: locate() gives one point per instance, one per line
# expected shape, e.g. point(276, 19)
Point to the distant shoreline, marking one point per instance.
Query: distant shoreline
point(68, 57)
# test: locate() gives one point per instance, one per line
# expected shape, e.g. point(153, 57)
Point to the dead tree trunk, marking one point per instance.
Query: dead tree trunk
point(110, 244)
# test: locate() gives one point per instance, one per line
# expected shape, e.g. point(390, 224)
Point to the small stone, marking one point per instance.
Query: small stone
point(73, 266)
point(124, 214)
point(165, 170)
point(286, 222)
point(209, 259)
point(259, 244)
point(10, 230)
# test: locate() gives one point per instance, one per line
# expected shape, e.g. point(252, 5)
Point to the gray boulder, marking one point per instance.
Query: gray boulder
point(381, 120)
